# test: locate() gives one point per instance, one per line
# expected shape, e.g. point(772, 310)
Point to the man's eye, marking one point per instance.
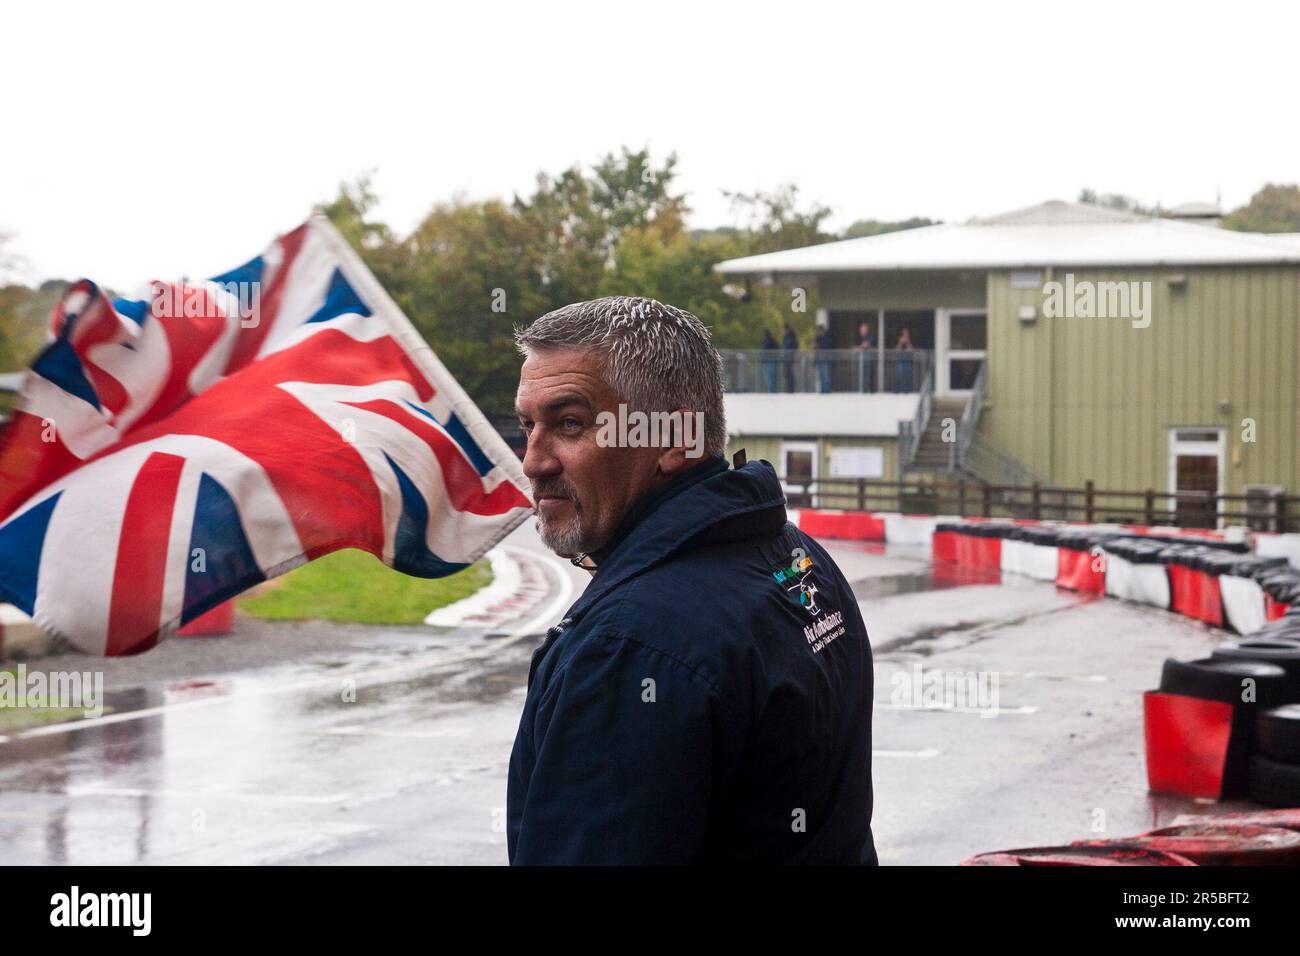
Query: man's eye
point(571, 424)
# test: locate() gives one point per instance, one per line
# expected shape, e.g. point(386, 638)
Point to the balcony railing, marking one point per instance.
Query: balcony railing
point(827, 370)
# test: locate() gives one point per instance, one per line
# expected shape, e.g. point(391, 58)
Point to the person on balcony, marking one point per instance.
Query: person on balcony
point(903, 363)
point(790, 343)
point(865, 342)
point(769, 364)
point(824, 343)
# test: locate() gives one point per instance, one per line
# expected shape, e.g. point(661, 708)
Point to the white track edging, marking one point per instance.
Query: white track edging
point(506, 581)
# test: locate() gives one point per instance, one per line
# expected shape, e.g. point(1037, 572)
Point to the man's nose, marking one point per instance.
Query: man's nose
point(539, 462)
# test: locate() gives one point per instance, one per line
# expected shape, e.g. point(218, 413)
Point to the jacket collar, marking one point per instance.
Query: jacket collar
point(702, 510)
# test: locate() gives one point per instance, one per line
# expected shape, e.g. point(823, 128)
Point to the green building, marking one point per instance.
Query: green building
point(1059, 344)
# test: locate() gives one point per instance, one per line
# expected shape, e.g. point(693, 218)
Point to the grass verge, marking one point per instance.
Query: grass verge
point(356, 587)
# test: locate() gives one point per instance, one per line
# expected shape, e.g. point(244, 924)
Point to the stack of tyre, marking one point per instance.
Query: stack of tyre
point(1264, 757)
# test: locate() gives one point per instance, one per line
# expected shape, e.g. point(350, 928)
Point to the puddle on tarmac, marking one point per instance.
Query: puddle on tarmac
point(936, 578)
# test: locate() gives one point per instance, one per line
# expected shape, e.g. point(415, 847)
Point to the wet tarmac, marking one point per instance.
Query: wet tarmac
point(314, 743)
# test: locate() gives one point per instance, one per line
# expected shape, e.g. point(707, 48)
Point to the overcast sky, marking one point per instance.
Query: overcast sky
point(155, 140)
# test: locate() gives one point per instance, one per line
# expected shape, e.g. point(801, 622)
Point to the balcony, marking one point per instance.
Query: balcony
point(865, 371)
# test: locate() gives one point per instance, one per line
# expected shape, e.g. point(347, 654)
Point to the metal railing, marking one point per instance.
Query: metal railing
point(986, 463)
point(970, 416)
point(1048, 502)
point(911, 432)
point(866, 371)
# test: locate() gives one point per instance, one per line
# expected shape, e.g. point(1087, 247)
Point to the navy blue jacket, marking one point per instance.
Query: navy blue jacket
point(706, 700)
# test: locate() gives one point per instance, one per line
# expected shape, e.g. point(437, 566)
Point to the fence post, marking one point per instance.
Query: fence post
point(961, 498)
point(1281, 513)
point(988, 501)
point(1088, 501)
point(1150, 508)
point(1038, 501)
point(862, 494)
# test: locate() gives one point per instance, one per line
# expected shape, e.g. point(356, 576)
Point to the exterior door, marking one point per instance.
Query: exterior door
point(1196, 468)
point(799, 472)
point(961, 342)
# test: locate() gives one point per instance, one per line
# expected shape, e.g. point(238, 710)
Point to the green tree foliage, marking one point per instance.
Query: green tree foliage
point(774, 221)
point(1275, 208)
point(1117, 201)
point(878, 227)
point(470, 272)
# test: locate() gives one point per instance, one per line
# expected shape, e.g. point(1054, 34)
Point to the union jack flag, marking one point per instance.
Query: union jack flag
point(167, 454)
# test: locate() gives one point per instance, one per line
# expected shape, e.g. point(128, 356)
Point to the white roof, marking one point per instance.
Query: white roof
point(1050, 234)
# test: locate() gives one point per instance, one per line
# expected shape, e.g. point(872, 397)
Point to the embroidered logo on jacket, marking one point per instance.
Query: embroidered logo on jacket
point(797, 577)
point(799, 571)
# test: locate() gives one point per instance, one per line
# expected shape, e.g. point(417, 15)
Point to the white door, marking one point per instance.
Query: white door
point(960, 344)
point(799, 472)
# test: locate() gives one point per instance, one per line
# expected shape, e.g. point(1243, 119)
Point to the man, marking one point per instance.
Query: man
point(824, 342)
point(708, 697)
point(865, 342)
point(790, 343)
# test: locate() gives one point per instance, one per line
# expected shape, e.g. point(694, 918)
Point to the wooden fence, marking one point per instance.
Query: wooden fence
point(1047, 502)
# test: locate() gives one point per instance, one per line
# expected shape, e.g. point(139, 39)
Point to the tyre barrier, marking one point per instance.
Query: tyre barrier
point(1079, 856)
point(1200, 726)
point(1218, 727)
point(1134, 572)
point(1253, 838)
point(1229, 725)
point(1080, 561)
point(1207, 579)
point(1217, 844)
point(1285, 819)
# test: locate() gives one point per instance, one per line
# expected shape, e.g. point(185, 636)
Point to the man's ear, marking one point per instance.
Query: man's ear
point(687, 443)
point(673, 460)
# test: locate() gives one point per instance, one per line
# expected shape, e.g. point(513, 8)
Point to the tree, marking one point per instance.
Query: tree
point(349, 211)
point(775, 222)
point(630, 192)
point(877, 227)
point(1275, 208)
point(1117, 201)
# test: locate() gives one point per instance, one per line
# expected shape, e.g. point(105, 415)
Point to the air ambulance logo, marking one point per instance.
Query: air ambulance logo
point(797, 576)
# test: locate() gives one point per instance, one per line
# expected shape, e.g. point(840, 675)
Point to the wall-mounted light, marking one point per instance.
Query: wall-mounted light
point(1028, 314)
point(1176, 279)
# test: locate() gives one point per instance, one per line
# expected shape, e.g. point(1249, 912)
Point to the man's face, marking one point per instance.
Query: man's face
point(581, 490)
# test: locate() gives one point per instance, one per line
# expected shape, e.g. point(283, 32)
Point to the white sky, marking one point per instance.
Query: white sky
point(145, 140)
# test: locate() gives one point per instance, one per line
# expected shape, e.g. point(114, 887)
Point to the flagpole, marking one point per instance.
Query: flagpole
point(372, 292)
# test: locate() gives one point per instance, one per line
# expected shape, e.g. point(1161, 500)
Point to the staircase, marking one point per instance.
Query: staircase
point(964, 456)
point(933, 454)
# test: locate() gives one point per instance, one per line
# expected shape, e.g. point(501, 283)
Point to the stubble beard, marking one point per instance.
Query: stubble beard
point(567, 539)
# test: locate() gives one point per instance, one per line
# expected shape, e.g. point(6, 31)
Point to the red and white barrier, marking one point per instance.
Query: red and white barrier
point(844, 525)
point(1196, 594)
point(1271, 545)
point(1220, 600)
point(1244, 603)
point(1140, 583)
point(1080, 571)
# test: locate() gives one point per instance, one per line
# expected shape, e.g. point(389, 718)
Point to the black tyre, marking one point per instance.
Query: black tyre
point(1273, 782)
point(1221, 679)
point(1277, 733)
point(1285, 654)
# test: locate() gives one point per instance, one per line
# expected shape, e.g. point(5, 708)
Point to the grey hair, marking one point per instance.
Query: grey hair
point(658, 358)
